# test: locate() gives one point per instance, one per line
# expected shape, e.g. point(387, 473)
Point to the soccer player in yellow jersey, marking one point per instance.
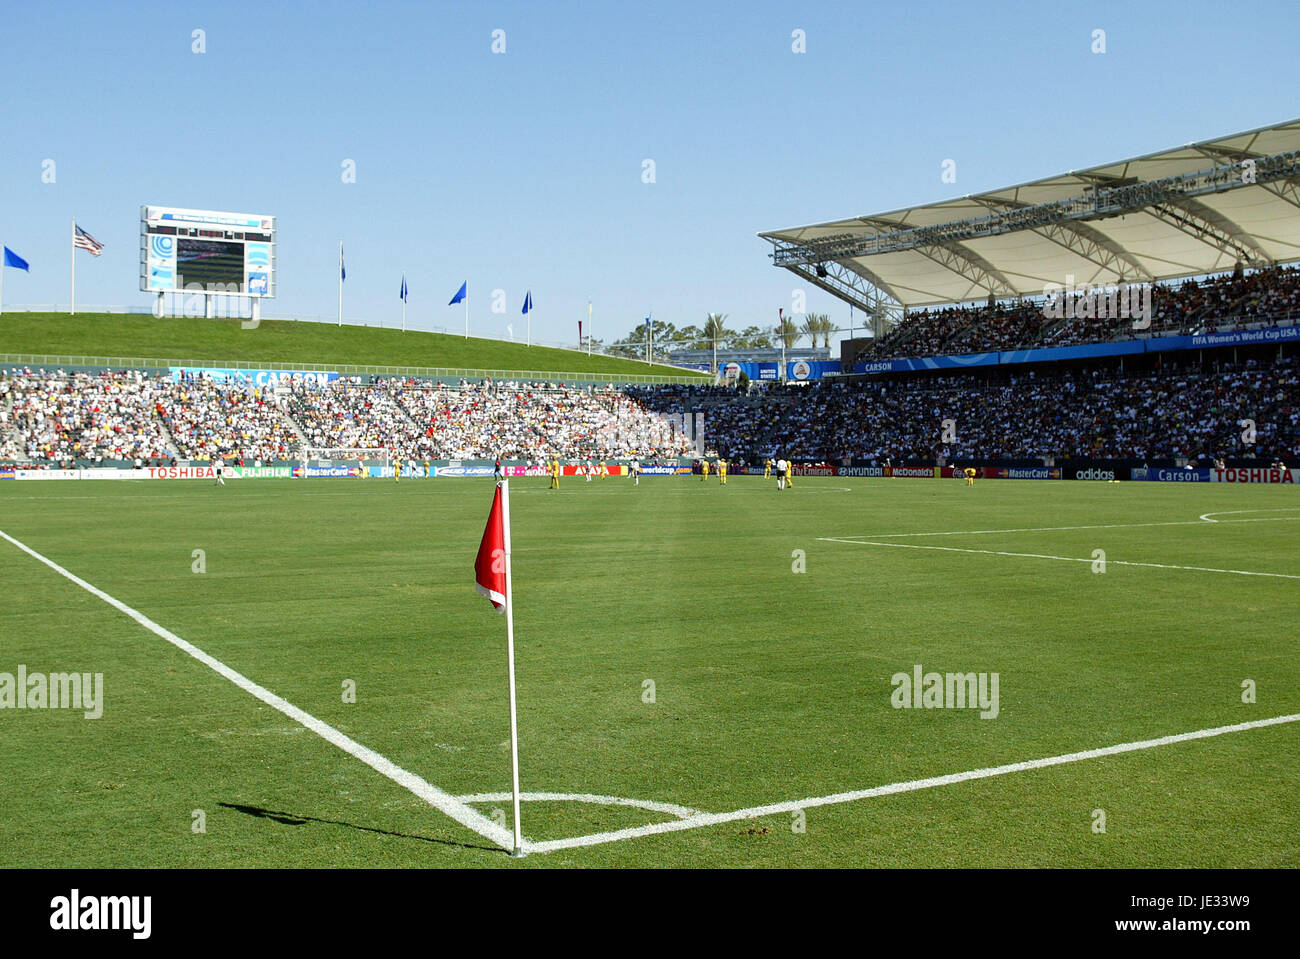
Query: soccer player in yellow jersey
point(704, 470)
point(722, 471)
point(767, 469)
point(397, 470)
point(970, 476)
point(604, 470)
point(789, 473)
point(555, 474)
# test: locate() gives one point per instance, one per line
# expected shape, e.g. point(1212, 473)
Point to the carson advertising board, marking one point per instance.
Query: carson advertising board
point(261, 378)
point(1161, 475)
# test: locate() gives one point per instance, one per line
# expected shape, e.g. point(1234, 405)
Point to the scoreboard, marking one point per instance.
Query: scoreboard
point(206, 251)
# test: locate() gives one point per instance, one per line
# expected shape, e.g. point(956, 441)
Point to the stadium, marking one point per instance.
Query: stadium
point(1010, 583)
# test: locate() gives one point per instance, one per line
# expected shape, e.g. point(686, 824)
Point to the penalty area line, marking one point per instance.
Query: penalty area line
point(754, 812)
point(1054, 529)
point(444, 802)
point(1063, 559)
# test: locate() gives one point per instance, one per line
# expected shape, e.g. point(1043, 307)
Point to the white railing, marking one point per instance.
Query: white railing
point(58, 361)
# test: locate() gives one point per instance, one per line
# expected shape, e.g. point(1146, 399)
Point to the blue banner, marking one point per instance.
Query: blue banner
point(1161, 475)
point(801, 370)
point(1083, 351)
point(262, 378)
point(1269, 336)
point(911, 364)
point(1277, 334)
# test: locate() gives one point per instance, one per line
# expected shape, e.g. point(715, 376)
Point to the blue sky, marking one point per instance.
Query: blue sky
point(524, 169)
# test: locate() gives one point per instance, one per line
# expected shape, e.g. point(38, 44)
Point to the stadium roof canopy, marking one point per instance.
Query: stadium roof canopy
point(1189, 211)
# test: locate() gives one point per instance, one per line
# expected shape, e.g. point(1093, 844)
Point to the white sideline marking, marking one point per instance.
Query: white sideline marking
point(713, 819)
point(1064, 559)
point(1229, 512)
point(442, 801)
point(671, 809)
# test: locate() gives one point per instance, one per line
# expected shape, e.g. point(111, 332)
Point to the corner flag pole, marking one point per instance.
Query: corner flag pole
point(510, 655)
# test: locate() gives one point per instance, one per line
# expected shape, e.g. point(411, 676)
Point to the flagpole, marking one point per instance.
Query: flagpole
point(467, 313)
point(404, 294)
point(3, 264)
point(72, 300)
point(340, 282)
point(510, 655)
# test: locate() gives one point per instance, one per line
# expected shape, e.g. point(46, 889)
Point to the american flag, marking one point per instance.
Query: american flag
point(82, 239)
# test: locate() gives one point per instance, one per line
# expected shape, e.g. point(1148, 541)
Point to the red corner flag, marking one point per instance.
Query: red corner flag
point(492, 578)
point(490, 566)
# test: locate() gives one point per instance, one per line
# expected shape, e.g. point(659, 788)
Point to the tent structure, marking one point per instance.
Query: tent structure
point(1193, 210)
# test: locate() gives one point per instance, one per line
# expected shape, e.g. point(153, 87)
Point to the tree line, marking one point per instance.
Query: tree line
point(816, 327)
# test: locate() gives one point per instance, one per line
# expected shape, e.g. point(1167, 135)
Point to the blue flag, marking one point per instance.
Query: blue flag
point(14, 260)
point(343, 272)
point(460, 294)
point(528, 301)
point(403, 294)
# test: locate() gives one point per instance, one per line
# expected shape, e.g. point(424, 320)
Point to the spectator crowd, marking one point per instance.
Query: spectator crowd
point(52, 417)
point(1227, 302)
point(1195, 414)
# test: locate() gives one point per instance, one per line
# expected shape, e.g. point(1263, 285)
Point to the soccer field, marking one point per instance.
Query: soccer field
point(672, 662)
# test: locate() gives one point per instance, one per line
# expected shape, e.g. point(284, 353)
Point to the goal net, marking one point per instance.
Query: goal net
point(343, 455)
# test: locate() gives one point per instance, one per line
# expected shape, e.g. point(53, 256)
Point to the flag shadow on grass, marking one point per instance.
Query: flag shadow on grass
point(293, 819)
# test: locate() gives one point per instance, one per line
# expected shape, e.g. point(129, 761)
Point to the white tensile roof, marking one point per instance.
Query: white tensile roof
point(1203, 225)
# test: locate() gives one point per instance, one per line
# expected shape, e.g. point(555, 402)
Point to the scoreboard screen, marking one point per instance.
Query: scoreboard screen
point(206, 251)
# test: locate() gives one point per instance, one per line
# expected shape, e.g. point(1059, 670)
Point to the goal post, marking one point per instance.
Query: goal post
point(343, 455)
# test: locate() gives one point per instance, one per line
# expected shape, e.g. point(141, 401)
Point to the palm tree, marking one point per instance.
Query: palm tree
point(818, 325)
point(787, 331)
point(715, 329)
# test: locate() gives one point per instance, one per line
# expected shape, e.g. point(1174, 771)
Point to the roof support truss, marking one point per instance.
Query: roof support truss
point(1209, 226)
point(1084, 241)
point(971, 266)
point(1103, 201)
point(856, 286)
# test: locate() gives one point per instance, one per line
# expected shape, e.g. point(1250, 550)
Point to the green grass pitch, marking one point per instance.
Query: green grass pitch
point(769, 685)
